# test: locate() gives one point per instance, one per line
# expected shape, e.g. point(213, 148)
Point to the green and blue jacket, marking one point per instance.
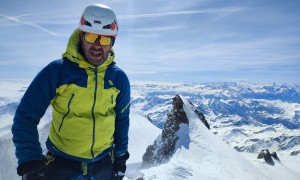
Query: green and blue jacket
point(90, 109)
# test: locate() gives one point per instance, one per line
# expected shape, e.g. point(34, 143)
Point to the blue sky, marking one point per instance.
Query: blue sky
point(164, 40)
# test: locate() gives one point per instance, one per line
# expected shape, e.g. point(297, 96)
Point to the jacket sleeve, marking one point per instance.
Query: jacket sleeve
point(122, 117)
point(31, 109)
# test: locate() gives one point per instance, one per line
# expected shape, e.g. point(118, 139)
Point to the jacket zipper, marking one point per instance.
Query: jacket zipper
point(62, 121)
point(93, 110)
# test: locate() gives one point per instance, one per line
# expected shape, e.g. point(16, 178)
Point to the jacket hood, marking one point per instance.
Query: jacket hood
point(73, 55)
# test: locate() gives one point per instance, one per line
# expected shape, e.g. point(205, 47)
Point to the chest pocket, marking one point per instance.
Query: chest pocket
point(107, 100)
point(63, 105)
point(63, 96)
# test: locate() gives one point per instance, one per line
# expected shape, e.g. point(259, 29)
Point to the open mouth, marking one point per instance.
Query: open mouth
point(96, 53)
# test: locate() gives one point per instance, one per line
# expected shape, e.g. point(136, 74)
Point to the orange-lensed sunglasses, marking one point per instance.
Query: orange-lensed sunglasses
point(103, 40)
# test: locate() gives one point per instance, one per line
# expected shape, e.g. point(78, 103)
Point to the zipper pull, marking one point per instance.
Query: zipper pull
point(96, 69)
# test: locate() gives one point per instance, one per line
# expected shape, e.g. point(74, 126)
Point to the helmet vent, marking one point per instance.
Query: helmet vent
point(111, 26)
point(87, 23)
point(107, 26)
point(97, 22)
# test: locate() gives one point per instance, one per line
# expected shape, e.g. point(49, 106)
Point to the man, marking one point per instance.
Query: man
point(90, 99)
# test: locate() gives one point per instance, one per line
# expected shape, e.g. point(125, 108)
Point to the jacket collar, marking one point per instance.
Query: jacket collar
point(74, 55)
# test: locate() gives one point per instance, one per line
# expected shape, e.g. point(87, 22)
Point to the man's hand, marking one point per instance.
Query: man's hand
point(32, 170)
point(120, 166)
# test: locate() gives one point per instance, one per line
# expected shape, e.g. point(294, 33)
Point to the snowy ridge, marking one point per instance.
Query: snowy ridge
point(174, 134)
point(201, 155)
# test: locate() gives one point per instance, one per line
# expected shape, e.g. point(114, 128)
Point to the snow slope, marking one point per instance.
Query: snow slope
point(279, 171)
point(141, 134)
point(202, 155)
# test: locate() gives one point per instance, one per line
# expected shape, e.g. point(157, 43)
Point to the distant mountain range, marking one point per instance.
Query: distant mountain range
point(247, 116)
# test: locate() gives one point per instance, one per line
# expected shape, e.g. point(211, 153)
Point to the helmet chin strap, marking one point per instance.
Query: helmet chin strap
point(80, 49)
point(113, 39)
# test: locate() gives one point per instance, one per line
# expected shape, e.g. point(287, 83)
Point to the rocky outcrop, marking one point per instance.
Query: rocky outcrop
point(295, 153)
point(268, 157)
point(165, 144)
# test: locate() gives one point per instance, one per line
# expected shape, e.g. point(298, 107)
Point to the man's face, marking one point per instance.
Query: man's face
point(94, 52)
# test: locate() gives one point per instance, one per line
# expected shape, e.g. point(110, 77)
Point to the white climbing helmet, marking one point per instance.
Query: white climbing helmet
point(99, 19)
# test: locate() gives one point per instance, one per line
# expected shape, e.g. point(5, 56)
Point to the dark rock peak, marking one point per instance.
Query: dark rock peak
point(164, 146)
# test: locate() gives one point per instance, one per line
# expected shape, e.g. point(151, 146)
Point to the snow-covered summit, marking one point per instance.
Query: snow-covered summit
point(174, 134)
point(199, 154)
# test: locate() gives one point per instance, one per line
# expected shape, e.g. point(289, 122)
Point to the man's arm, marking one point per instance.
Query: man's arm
point(31, 109)
point(121, 128)
point(122, 117)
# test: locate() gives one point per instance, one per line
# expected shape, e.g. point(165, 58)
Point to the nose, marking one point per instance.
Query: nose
point(97, 43)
